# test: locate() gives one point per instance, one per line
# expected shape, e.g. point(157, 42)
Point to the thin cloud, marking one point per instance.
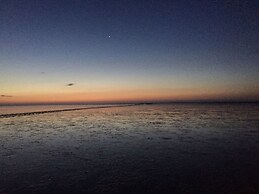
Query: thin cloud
point(70, 84)
point(6, 96)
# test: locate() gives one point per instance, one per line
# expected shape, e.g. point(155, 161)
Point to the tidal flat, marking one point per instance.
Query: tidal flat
point(156, 148)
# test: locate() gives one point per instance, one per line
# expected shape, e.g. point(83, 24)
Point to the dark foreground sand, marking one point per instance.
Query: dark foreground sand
point(178, 148)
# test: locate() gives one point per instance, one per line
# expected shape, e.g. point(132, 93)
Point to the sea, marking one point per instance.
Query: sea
point(141, 148)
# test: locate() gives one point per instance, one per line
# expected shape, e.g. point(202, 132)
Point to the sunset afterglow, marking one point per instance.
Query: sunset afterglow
point(130, 55)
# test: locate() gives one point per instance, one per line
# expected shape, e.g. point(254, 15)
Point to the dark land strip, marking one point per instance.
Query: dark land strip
point(61, 110)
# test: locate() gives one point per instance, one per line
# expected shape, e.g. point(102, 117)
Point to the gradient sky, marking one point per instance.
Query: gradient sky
point(92, 51)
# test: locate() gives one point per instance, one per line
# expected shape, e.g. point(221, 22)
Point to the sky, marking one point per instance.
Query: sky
point(127, 50)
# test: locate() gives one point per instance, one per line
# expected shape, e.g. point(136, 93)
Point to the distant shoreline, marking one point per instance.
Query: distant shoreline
point(127, 103)
point(61, 110)
point(102, 106)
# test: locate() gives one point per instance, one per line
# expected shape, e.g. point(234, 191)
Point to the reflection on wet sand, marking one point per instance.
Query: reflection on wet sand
point(176, 148)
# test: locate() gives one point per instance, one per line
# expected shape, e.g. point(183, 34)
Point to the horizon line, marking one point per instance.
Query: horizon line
point(128, 102)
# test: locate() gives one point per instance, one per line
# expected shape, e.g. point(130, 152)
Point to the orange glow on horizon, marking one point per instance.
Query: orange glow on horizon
point(127, 96)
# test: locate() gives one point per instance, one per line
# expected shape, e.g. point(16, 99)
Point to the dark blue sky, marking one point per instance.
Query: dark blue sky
point(160, 44)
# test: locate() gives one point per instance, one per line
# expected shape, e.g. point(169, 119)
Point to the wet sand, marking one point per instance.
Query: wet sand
point(177, 148)
point(59, 110)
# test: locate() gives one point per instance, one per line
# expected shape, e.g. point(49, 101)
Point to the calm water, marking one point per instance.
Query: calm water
point(175, 148)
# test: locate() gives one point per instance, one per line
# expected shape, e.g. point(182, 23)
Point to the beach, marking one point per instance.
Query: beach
point(159, 148)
